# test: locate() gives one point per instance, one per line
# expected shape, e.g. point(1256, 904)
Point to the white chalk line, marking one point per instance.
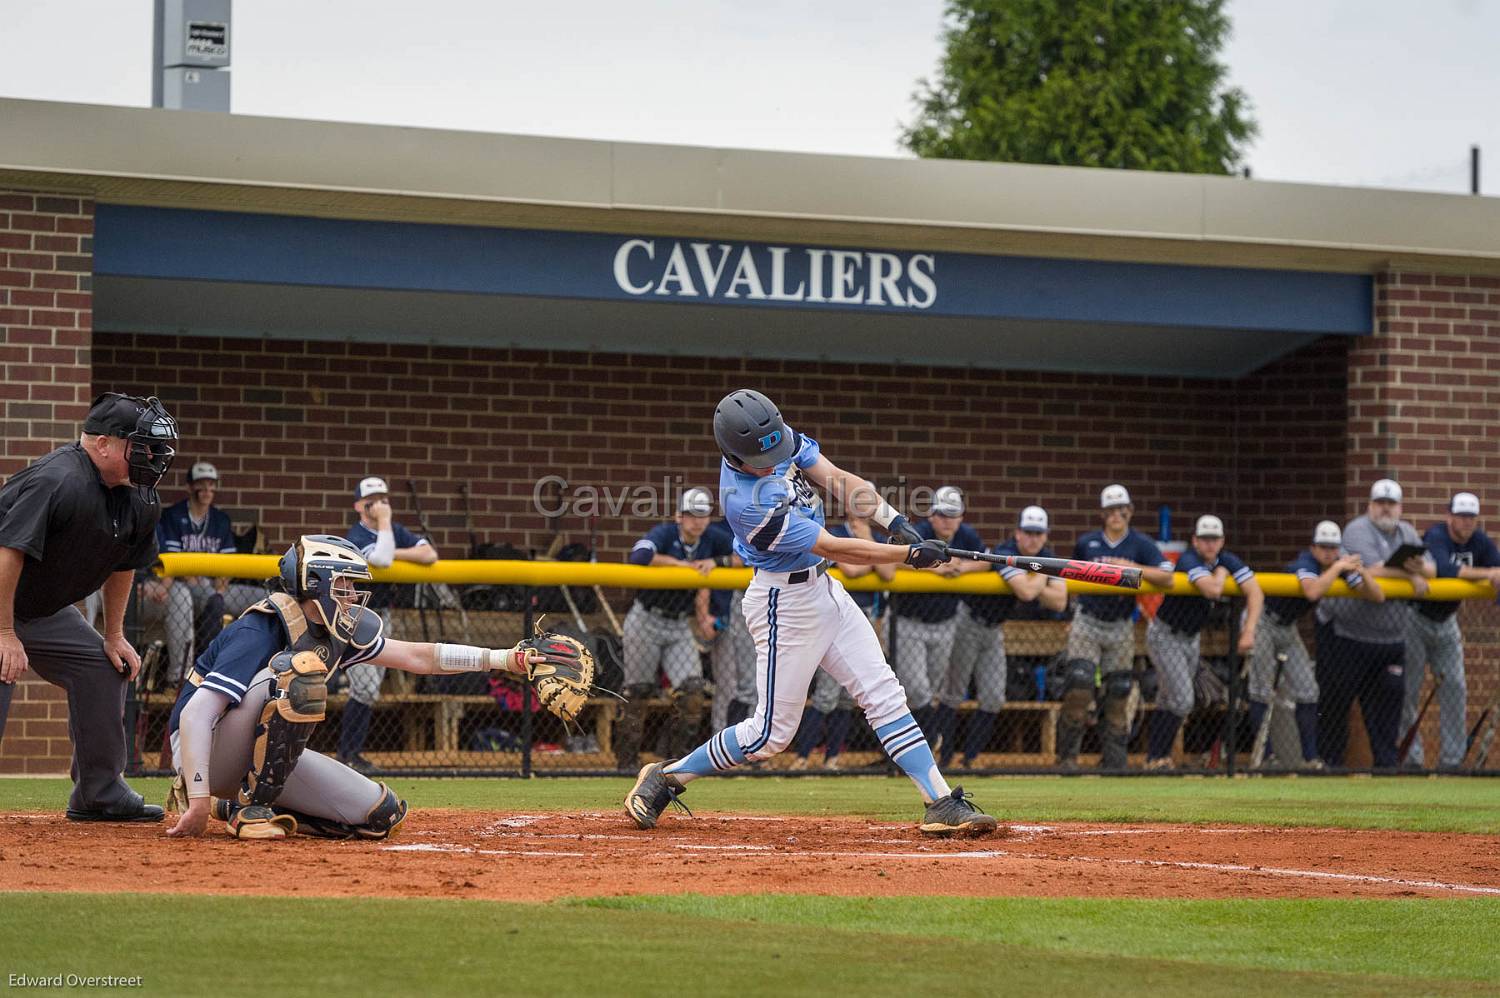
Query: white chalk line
point(746, 851)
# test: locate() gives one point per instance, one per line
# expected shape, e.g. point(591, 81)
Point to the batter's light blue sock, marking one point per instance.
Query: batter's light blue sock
point(720, 753)
point(904, 742)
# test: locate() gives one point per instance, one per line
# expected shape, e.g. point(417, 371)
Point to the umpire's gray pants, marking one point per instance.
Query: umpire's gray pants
point(652, 642)
point(1298, 681)
point(923, 650)
point(318, 785)
point(65, 651)
point(1441, 646)
point(1109, 644)
point(978, 653)
point(1176, 659)
point(733, 661)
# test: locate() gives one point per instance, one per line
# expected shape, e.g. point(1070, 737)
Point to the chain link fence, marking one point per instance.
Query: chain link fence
point(998, 685)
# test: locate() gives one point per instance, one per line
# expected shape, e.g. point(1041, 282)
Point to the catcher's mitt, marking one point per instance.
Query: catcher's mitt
point(561, 670)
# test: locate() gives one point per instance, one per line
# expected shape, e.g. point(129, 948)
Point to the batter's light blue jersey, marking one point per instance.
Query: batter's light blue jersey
point(776, 519)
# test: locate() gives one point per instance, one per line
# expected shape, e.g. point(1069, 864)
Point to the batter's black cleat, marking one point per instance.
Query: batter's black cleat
point(954, 815)
point(653, 791)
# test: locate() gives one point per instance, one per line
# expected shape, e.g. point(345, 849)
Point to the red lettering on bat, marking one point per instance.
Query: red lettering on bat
point(1096, 572)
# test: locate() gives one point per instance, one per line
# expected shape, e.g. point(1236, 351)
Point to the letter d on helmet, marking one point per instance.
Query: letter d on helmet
point(748, 427)
point(323, 568)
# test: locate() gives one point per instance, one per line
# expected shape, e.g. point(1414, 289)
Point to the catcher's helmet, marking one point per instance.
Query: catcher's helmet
point(749, 429)
point(322, 568)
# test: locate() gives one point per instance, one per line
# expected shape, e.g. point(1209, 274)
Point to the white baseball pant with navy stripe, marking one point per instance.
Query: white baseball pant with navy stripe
point(798, 628)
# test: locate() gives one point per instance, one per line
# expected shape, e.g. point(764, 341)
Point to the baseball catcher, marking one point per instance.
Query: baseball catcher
point(240, 727)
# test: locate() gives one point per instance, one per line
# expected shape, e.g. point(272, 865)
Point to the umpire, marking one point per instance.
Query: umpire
point(69, 524)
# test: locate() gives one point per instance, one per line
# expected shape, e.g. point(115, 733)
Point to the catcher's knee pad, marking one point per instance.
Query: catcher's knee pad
point(383, 822)
point(1116, 701)
point(1078, 691)
point(298, 703)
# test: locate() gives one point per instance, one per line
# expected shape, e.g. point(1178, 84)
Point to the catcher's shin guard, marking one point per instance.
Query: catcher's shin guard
point(298, 703)
point(1117, 708)
point(1077, 704)
point(689, 704)
point(630, 727)
point(383, 822)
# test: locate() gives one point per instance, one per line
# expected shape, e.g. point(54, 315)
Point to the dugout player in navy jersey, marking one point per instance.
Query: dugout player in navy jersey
point(1459, 550)
point(194, 525)
point(81, 518)
point(382, 541)
point(733, 655)
point(1172, 637)
point(658, 629)
point(979, 640)
point(1103, 634)
point(1316, 569)
point(924, 635)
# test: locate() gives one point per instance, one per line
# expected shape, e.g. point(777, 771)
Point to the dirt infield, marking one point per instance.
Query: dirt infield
point(475, 854)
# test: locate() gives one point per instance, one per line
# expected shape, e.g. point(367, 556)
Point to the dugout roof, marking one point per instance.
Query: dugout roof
point(231, 225)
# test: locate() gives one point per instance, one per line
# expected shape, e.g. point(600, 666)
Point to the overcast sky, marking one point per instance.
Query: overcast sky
point(1383, 93)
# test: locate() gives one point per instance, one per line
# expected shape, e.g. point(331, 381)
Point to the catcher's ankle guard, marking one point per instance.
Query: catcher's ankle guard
point(298, 703)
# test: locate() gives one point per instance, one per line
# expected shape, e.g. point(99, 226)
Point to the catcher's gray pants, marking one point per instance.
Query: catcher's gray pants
point(1175, 656)
point(733, 662)
point(1109, 644)
point(1441, 646)
point(318, 785)
point(65, 651)
point(978, 652)
point(1298, 682)
point(922, 653)
point(653, 642)
point(178, 614)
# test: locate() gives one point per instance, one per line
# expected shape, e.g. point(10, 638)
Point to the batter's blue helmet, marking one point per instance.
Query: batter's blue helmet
point(749, 428)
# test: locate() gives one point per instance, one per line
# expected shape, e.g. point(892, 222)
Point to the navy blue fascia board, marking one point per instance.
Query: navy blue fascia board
point(179, 244)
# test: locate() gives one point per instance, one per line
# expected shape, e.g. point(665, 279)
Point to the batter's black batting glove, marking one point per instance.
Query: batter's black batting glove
point(902, 532)
point(928, 553)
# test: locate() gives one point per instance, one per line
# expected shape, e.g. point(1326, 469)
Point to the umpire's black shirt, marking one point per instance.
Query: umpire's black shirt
point(74, 530)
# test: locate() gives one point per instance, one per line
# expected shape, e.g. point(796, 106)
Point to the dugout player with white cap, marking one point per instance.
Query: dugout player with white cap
point(658, 638)
point(1316, 569)
point(1459, 550)
point(1172, 637)
point(979, 638)
point(801, 617)
point(1102, 635)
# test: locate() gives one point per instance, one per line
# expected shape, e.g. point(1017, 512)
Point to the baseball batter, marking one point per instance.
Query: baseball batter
point(1103, 635)
point(1173, 636)
point(1316, 569)
point(801, 618)
point(240, 726)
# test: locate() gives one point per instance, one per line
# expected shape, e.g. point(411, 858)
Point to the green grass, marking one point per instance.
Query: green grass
point(1452, 804)
point(756, 946)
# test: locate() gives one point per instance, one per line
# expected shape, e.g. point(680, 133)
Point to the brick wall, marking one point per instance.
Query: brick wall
point(292, 427)
point(46, 318)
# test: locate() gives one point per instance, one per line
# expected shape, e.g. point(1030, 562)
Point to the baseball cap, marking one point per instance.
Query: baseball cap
point(202, 470)
point(696, 502)
point(1113, 495)
point(1385, 489)
point(371, 486)
point(1464, 504)
point(113, 415)
point(1209, 526)
point(1328, 532)
point(1034, 520)
point(948, 501)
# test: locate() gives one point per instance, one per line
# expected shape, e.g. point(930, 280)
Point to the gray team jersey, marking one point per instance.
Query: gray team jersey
point(1377, 623)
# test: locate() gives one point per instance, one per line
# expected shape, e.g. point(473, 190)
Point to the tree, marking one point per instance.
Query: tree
point(1131, 84)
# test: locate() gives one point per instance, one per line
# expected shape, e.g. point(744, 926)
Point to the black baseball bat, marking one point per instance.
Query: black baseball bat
point(1097, 572)
point(1263, 733)
point(1474, 731)
point(1411, 733)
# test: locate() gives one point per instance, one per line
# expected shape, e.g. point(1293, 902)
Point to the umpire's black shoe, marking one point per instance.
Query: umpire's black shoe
point(653, 791)
point(132, 808)
point(954, 815)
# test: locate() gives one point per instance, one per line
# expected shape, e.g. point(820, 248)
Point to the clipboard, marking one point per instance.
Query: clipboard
point(1400, 556)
